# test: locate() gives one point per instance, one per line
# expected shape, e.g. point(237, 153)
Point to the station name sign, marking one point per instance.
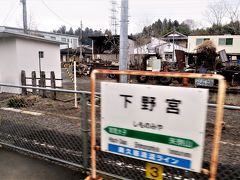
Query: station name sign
point(159, 124)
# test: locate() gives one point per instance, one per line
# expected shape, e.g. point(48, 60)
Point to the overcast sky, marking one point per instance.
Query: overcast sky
point(50, 14)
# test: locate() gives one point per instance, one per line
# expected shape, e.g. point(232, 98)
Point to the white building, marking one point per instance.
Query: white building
point(21, 52)
point(230, 43)
point(68, 41)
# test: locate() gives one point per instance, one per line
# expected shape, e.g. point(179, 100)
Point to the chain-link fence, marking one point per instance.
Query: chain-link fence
point(56, 130)
point(50, 128)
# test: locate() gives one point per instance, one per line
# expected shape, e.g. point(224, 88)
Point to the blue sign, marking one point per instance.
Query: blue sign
point(150, 156)
point(238, 61)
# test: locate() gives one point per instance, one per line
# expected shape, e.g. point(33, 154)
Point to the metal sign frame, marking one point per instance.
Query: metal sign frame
point(218, 121)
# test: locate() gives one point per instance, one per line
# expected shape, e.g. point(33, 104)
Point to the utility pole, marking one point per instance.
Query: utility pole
point(24, 15)
point(93, 50)
point(80, 41)
point(174, 44)
point(114, 18)
point(123, 60)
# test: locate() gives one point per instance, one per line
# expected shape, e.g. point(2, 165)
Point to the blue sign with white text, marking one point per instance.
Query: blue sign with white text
point(150, 156)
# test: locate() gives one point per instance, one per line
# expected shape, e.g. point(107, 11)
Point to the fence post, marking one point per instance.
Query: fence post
point(34, 82)
point(24, 82)
point(43, 83)
point(53, 85)
point(84, 131)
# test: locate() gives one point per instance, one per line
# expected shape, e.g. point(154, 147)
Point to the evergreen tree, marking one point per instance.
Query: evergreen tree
point(70, 31)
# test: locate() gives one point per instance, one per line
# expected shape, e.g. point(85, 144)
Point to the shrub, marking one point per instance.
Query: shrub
point(21, 101)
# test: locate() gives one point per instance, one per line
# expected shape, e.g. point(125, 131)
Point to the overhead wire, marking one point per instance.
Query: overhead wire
point(52, 11)
point(13, 9)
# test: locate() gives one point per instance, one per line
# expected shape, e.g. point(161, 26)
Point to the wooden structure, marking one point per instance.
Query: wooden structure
point(39, 82)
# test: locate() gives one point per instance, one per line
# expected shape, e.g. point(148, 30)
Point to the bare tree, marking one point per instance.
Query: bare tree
point(232, 10)
point(215, 12)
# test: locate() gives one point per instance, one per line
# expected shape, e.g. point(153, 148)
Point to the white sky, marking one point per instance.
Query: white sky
point(96, 13)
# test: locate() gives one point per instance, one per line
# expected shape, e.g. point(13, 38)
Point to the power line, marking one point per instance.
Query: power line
point(13, 8)
point(44, 3)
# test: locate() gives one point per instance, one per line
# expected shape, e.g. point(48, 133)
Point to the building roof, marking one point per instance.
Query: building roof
point(85, 50)
point(7, 33)
point(37, 31)
point(215, 35)
point(175, 34)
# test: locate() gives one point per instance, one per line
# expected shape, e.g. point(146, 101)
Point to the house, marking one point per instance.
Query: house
point(21, 52)
point(229, 43)
point(176, 37)
point(68, 41)
point(161, 48)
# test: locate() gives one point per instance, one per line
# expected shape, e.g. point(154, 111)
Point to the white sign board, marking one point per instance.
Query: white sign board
point(204, 82)
point(159, 124)
point(156, 64)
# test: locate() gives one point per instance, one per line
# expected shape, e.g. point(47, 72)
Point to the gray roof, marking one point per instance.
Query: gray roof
point(8, 33)
point(37, 31)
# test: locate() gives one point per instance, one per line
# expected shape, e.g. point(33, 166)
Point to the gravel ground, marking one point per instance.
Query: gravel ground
point(61, 116)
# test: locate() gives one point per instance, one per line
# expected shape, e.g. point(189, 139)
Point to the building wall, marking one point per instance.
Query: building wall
point(21, 54)
point(8, 67)
point(27, 58)
point(234, 48)
point(182, 43)
point(72, 41)
point(166, 51)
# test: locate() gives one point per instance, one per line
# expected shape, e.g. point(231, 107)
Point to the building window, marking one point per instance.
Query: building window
point(201, 40)
point(63, 39)
point(168, 56)
point(74, 43)
point(53, 38)
point(225, 41)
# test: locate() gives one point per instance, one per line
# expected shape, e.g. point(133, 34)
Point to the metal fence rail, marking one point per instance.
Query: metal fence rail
point(55, 130)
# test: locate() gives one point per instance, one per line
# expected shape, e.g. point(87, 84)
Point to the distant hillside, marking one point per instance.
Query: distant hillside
point(160, 28)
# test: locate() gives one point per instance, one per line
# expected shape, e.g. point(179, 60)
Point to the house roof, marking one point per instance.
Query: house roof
point(215, 35)
point(7, 33)
point(85, 50)
point(177, 35)
point(37, 31)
